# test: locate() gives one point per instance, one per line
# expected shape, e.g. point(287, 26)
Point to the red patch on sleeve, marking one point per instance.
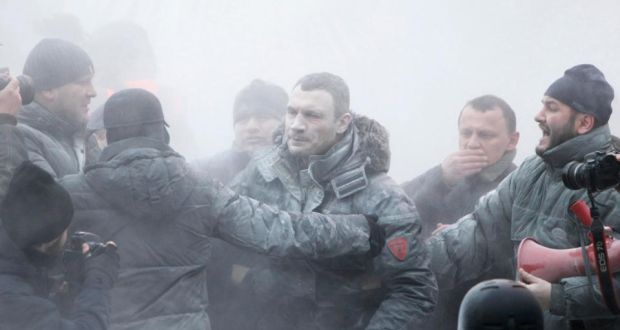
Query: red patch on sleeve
point(398, 247)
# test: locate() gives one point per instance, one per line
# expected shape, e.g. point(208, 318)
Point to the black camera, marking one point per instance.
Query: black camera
point(26, 88)
point(598, 172)
point(73, 258)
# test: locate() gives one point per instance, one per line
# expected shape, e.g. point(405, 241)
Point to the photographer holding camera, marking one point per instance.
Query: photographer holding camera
point(35, 215)
point(534, 202)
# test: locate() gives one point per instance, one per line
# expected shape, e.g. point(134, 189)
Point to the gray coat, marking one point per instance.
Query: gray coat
point(52, 143)
point(388, 292)
point(531, 202)
point(143, 195)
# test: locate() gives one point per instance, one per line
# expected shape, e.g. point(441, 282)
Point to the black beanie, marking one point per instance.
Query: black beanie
point(56, 62)
point(585, 90)
point(36, 209)
point(132, 107)
point(260, 97)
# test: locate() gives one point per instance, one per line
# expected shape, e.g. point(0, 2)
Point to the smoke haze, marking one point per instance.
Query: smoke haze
point(411, 65)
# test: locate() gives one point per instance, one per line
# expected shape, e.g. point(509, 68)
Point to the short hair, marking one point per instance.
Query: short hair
point(486, 103)
point(330, 83)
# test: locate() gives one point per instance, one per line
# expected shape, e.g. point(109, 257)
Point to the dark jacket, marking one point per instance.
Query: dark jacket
point(437, 202)
point(53, 144)
point(144, 196)
point(26, 302)
point(387, 292)
point(531, 202)
point(12, 150)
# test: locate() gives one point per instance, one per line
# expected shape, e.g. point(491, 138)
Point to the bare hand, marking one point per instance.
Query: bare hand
point(86, 248)
point(537, 286)
point(462, 164)
point(10, 100)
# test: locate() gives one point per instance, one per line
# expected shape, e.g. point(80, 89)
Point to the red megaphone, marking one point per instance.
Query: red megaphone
point(553, 265)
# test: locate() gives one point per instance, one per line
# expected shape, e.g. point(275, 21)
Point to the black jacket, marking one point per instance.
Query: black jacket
point(25, 301)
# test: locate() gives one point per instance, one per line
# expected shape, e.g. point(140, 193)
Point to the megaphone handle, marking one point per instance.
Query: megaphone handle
point(599, 242)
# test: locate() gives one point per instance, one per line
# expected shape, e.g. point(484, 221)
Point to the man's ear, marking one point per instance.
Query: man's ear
point(584, 123)
point(46, 97)
point(514, 140)
point(343, 122)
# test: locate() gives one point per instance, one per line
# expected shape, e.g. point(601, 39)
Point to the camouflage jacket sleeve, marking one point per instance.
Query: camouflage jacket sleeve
point(12, 150)
point(461, 251)
point(403, 265)
point(248, 223)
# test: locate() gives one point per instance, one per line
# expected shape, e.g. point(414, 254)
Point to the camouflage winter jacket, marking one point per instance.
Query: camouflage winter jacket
point(387, 292)
point(143, 195)
point(531, 202)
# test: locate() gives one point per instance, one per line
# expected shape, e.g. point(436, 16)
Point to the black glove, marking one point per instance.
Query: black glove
point(102, 269)
point(376, 237)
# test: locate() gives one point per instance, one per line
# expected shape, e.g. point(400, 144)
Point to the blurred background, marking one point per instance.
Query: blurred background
point(410, 64)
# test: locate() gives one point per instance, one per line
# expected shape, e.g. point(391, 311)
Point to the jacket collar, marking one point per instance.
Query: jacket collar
point(117, 147)
point(576, 148)
point(495, 171)
point(342, 167)
point(38, 117)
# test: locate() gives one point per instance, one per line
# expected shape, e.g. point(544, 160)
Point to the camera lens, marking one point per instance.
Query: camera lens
point(575, 176)
point(26, 89)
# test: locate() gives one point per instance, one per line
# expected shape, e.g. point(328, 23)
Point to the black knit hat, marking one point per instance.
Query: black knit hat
point(36, 209)
point(584, 89)
point(132, 107)
point(56, 62)
point(260, 97)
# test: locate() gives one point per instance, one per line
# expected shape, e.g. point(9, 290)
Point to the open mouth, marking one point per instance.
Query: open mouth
point(545, 130)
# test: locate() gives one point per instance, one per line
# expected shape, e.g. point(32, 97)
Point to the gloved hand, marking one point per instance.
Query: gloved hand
point(376, 237)
point(102, 268)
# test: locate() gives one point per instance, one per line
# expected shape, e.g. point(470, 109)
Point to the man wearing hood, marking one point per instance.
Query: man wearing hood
point(533, 202)
point(144, 196)
point(34, 218)
point(332, 162)
point(487, 146)
point(53, 125)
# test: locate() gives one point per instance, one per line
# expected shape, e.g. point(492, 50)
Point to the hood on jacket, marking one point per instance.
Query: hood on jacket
point(373, 142)
point(143, 177)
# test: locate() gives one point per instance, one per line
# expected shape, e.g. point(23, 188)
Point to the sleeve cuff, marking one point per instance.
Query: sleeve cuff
point(557, 304)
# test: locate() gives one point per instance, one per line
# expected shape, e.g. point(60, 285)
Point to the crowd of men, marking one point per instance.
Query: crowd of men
point(297, 226)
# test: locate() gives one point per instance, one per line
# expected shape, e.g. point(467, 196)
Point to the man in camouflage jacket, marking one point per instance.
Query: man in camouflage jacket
point(329, 162)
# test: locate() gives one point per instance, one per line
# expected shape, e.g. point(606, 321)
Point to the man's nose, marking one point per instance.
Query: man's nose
point(540, 116)
point(252, 124)
point(473, 142)
point(298, 123)
point(91, 91)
